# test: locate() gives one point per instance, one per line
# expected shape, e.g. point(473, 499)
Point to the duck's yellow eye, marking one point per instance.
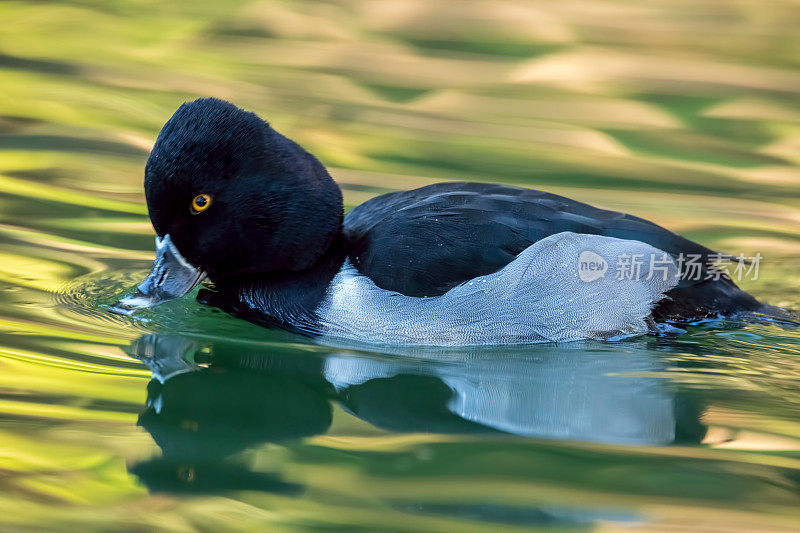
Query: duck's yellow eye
point(201, 202)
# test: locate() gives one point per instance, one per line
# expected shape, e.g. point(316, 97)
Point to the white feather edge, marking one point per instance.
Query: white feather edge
point(538, 297)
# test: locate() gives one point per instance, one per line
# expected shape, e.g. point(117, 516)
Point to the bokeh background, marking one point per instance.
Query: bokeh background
point(685, 112)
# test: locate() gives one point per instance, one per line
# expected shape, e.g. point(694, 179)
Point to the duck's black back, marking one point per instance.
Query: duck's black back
point(426, 241)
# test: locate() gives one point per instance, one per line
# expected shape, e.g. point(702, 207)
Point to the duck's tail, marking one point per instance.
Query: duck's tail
point(717, 298)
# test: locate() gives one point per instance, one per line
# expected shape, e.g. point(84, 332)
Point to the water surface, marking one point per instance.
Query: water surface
point(182, 418)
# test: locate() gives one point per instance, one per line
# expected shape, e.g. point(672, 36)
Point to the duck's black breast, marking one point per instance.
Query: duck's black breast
point(426, 241)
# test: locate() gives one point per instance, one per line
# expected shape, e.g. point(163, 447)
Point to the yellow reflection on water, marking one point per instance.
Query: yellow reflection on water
point(685, 113)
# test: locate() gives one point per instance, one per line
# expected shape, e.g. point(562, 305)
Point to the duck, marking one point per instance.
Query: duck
point(260, 222)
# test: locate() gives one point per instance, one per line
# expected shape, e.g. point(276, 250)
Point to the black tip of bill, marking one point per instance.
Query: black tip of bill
point(172, 277)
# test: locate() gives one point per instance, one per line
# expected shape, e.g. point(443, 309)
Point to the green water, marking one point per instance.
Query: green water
point(182, 418)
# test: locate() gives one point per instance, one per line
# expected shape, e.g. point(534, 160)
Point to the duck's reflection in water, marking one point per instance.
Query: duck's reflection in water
point(206, 403)
point(571, 393)
point(210, 400)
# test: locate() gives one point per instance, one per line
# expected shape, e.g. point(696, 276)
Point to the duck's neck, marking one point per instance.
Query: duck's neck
point(287, 300)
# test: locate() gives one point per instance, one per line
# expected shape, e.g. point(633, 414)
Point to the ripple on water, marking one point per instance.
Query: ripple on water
point(91, 299)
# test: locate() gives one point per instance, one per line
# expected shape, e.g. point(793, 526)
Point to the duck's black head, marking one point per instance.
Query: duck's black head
point(230, 196)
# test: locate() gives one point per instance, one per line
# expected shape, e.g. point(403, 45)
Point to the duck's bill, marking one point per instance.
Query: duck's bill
point(172, 277)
